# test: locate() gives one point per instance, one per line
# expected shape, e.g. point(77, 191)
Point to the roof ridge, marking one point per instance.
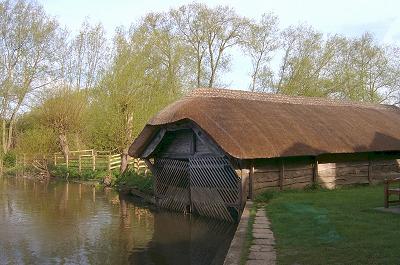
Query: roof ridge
point(280, 98)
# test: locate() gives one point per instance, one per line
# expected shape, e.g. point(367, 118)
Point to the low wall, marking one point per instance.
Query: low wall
point(292, 173)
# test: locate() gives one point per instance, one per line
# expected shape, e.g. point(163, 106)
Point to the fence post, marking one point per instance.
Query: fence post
point(93, 162)
point(55, 159)
point(67, 160)
point(80, 163)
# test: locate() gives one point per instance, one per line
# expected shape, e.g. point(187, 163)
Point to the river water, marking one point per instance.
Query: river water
point(70, 223)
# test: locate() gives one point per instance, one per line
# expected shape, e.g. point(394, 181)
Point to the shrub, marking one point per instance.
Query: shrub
point(62, 171)
point(135, 180)
point(9, 160)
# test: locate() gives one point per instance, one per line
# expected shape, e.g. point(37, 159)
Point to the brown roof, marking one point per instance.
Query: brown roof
point(259, 125)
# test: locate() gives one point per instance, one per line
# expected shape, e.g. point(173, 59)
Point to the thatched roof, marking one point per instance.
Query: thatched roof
point(258, 125)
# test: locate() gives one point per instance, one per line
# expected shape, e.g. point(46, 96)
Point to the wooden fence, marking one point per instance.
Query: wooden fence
point(85, 159)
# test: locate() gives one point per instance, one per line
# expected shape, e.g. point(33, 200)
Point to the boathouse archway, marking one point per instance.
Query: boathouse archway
point(193, 175)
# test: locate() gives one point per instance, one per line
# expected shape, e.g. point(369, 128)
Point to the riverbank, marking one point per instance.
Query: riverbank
point(131, 182)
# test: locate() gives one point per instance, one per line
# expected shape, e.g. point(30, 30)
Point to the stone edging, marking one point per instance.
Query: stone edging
point(235, 250)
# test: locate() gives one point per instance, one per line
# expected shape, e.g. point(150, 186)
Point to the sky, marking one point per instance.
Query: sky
point(348, 17)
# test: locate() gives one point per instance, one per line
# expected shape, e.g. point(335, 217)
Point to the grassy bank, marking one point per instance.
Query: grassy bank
point(130, 179)
point(249, 235)
point(334, 227)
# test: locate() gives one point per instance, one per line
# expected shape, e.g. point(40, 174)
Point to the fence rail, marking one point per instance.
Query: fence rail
point(86, 159)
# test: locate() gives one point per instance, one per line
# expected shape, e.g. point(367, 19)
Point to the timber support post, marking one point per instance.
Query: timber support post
point(251, 179)
point(315, 171)
point(370, 176)
point(281, 173)
point(67, 160)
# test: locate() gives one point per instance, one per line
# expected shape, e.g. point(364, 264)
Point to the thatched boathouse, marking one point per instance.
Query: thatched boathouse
point(214, 148)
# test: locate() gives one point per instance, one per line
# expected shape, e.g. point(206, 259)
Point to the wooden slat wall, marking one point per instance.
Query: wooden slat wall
point(214, 186)
point(172, 184)
point(332, 175)
point(299, 173)
point(296, 174)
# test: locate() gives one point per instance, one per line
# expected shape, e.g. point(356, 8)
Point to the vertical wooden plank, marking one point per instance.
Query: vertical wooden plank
point(386, 194)
point(370, 176)
point(251, 177)
point(281, 173)
point(55, 159)
point(67, 160)
point(315, 171)
point(240, 182)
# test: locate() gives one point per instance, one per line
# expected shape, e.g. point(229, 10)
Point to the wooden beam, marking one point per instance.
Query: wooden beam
point(205, 139)
point(153, 143)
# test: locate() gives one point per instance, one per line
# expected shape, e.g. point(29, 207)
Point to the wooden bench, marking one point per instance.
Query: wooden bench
point(391, 191)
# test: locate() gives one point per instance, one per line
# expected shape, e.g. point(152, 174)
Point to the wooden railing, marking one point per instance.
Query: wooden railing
point(86, 159)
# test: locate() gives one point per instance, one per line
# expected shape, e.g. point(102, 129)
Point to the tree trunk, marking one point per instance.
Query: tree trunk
point(128, 139)
point(124, 160)
point(3, 137)
point(64, 144)
point(10, 134)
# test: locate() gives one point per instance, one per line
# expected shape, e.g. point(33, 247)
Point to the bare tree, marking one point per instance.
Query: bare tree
point(259, 41)
point(209, 34)
point(86, 57)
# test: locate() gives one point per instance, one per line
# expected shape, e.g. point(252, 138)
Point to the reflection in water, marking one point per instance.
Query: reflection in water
point(57, 223)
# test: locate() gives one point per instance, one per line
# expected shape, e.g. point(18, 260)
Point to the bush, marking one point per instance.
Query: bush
point(9, 160)
point(139, 181)
point(62, 171)
point(265, 196)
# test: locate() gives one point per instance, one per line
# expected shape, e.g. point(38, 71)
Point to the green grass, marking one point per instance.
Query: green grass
point(334, 227)
point(61, 171)
point(249, 235)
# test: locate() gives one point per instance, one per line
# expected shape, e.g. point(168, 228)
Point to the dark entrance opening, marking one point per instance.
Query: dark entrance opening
point(207, 186)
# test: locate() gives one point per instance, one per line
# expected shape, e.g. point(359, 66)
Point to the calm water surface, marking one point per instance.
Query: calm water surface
point(69, 223)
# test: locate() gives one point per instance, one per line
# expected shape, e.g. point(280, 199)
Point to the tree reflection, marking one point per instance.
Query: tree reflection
point(58, 222)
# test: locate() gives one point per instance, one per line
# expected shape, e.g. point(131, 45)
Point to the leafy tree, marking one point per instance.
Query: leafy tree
point(29, 40)
point(62, 111)
point(367, 71)
point(144, 77)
